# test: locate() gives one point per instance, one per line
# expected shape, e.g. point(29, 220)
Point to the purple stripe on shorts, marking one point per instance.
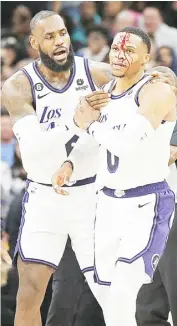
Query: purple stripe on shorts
point(18, 248)
point(164, 208)
point(32, 87)
point(87, 269)
point(87, 70)
point(97, 279)
point(53, 89)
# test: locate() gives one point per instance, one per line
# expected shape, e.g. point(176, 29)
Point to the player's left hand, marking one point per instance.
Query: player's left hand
point(61, 177)
point(85, 114)
point(164, 77)
point(173, 155)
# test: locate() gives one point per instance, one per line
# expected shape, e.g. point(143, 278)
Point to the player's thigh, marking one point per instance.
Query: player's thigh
point(42, 234)
point(107, 237)
point(82, 226)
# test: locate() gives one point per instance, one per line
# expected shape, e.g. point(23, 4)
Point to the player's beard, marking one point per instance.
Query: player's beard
point(55, 66)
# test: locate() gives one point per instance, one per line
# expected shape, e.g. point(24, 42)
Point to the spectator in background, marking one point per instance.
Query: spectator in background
point(171, 14)
point(7, 139)
point(18, 173)
point(152, 63)
point(11, 54)
point(154, 25)
point(111, 10)
point(86, 19)
point(123, 19)
point(6, 181)
point(167, 57)
point(98, 48)
point(21, 18)
point(32, 55)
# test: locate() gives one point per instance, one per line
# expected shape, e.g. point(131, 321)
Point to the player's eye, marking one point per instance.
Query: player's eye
point(63, 33)
point(48, 37)
point(129, 51)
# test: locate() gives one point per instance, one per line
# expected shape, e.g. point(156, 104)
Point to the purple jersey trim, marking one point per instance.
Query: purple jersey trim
point(114, 97)
point(137, 192)
point(137, 97)
point(53, 89)
point(32, 87)
point(87, 70)
point(138, 91)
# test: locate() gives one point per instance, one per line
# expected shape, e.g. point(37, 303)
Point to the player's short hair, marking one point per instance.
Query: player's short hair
point(40, 16)
point(140, 33)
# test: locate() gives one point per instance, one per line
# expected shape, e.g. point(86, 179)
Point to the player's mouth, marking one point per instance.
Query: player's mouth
point(60, 54)
point(118, 65)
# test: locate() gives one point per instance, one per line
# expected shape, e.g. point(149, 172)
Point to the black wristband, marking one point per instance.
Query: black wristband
point(68, 161)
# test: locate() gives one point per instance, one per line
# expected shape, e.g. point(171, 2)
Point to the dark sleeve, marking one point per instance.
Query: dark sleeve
point(173, 141)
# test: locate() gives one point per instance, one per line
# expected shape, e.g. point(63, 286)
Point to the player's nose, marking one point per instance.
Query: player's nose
point(59, 40)
point(120, 54)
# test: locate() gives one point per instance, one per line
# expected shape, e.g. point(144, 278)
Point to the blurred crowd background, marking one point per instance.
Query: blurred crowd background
point(92, 26)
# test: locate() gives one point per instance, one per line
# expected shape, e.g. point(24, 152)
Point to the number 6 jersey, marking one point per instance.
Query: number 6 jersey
point(55, 107)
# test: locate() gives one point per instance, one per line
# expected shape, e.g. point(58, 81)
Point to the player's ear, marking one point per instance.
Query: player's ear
point(146, 58)
point(33, 42)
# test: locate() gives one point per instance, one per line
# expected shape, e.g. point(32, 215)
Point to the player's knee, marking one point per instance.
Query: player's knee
point(32, 285)
point(29, 291)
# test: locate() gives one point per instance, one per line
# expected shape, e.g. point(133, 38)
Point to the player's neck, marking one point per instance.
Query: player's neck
point(52, 76)
point(125, 83)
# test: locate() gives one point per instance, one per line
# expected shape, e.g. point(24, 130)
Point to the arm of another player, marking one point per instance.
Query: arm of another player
point(153, 109)
point(173, 146)
point(33, 142)
point(101, 74)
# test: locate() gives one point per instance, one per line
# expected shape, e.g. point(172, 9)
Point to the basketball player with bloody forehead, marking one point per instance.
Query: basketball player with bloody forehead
point(41, 99)
point(135, 205)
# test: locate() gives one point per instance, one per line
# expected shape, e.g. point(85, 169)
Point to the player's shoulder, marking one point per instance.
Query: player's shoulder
point(159, 92)
point(17, 82)
point(159, 88)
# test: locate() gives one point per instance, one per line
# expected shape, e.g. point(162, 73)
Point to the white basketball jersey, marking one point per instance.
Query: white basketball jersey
point(149, 164)
point(56, 107)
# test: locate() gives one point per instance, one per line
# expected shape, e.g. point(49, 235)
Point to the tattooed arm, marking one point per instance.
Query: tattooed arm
point(33, 142)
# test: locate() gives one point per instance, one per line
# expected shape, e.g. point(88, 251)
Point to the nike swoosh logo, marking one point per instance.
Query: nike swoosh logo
point(139, 206)
point(41, 96)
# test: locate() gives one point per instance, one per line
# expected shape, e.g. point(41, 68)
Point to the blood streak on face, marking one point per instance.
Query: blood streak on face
point(123, 39)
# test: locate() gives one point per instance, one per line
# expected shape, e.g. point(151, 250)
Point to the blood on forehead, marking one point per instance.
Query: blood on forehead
point(123, 39)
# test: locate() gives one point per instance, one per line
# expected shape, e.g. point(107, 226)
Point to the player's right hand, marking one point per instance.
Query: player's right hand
point(61, 177)
point(98, 99)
